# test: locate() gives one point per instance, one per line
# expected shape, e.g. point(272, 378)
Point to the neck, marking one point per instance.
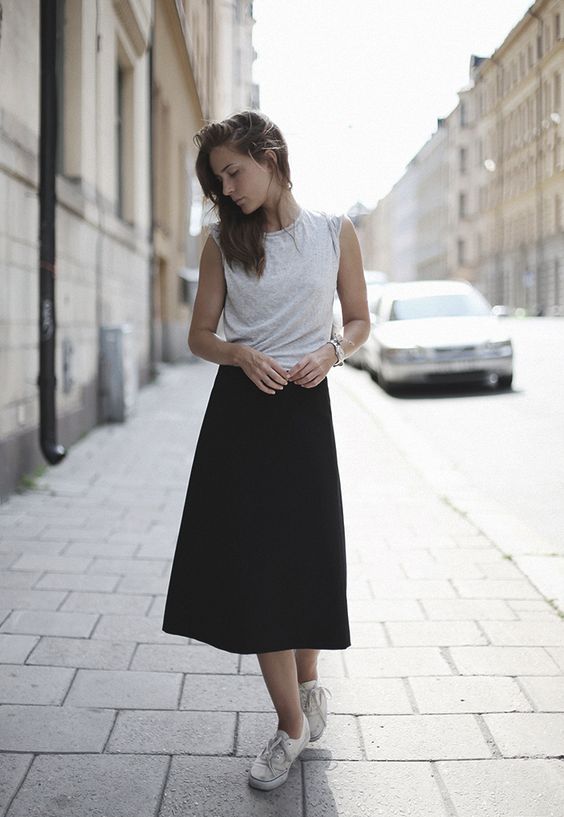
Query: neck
point(280, 215)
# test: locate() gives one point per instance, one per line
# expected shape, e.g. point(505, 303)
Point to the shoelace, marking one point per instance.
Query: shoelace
point(313, 699)
point(269, 751)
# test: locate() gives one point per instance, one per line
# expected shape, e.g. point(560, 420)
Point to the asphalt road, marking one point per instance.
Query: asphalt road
point(510, 444)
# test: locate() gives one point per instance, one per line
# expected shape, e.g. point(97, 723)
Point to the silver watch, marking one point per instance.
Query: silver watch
point(339, 351)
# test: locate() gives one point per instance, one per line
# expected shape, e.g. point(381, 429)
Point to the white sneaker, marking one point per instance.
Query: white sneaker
point(272, 764)
point(313, 698)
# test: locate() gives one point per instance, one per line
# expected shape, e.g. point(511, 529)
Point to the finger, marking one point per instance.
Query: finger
point(271, 381)
point(296, 370)
point(280, 370)
point(263, 387)
point(278, 377)
point(305, 377)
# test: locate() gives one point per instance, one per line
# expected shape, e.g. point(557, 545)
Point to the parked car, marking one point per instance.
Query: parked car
point(439, 331)
point(375, 281)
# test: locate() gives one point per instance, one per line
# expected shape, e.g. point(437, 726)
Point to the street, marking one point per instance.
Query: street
point(505, 447)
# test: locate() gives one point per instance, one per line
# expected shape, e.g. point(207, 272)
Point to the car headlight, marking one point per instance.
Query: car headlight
point(499, 347)
point(403, 355)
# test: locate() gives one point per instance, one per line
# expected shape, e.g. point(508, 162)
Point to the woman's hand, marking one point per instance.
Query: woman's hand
point(312, 368)
point(263, 370)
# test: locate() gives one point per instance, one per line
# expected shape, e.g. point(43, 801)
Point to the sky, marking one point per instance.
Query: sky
point(356, 86)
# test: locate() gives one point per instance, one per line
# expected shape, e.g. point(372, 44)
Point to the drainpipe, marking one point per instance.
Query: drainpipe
point(52, 450)
point(153, 371)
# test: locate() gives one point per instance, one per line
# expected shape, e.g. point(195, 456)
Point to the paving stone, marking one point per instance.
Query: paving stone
point(175, 658)
point(107, 603)
point(13, 769)
point(505, 788)
point(13, 549)
point(125, 689)
point(82, 652)
point(467, 609)
point(384, 610)
point(18, 578)
point(547, 693)
point(48, 622)
point(528, 734)
point(463, 693)
point(368, 789)
point(395, 662)
point(526, 633)
point(20, 599)
point(61, 564)
point(194, 733)
point(143, 584)
point(54, 728)
point(505, 569)
point(78, 581)
point(127, 567)
point(133, 628)
point(226, 693)
point(14, 649)
point(192, 789)
point(412, 589)
point(557, 655)
point(33, 685)
point(532, 609)
point(503, 661)
point(73, 534)
point(495, 589)
point(367, 634)
point(91, 786)
point(367, 696)
point(101, 549)
point(434, 633)
point(422, 737)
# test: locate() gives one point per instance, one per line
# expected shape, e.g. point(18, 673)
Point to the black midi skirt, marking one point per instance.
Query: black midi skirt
point(260, 561)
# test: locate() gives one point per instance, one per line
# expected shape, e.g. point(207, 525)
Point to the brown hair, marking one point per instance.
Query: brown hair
point(249, 132)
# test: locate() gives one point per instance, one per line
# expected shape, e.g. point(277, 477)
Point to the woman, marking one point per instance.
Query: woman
point(260, 563)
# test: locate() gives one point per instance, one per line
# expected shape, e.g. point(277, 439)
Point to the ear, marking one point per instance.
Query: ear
point(272, 159)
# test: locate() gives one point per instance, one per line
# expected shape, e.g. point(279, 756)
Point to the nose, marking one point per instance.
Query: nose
point(227, 188)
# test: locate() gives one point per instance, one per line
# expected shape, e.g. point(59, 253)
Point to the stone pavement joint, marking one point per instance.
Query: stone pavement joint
point(449, 703)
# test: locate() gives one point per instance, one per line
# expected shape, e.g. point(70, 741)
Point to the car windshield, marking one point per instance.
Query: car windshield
point(439, 306)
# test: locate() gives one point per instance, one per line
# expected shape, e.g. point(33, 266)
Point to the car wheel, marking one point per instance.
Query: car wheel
point(385, 384)
point(505, 381)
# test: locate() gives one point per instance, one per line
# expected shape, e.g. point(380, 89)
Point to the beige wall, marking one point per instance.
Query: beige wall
point(104, 240)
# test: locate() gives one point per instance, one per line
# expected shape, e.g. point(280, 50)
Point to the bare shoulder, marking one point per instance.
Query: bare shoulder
point(348, 236)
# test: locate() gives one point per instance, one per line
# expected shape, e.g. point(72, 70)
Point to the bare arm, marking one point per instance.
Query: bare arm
point(203, 341)
point(351, 288)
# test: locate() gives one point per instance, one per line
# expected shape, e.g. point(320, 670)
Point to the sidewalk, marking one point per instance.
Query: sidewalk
point(449, 703)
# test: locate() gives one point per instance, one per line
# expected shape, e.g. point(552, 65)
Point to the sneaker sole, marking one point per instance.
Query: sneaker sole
point(267, 785)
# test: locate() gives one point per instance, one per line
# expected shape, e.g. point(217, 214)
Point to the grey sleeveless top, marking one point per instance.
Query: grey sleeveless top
point(288, 312)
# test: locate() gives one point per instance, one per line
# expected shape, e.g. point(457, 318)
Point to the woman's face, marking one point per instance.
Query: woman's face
point(243, 179)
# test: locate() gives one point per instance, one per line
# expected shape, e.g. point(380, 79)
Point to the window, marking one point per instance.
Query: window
point(462, 204)
point(461, 251)
point(462, 160)
point(556, 26)
point(557, 92)
point(557, 213)
point(462, 110)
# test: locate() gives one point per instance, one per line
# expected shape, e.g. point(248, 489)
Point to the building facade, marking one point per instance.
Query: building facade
point(490, 189)
point(135, 79)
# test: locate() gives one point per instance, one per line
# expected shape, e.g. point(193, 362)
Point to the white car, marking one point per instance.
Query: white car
point(438, 331)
